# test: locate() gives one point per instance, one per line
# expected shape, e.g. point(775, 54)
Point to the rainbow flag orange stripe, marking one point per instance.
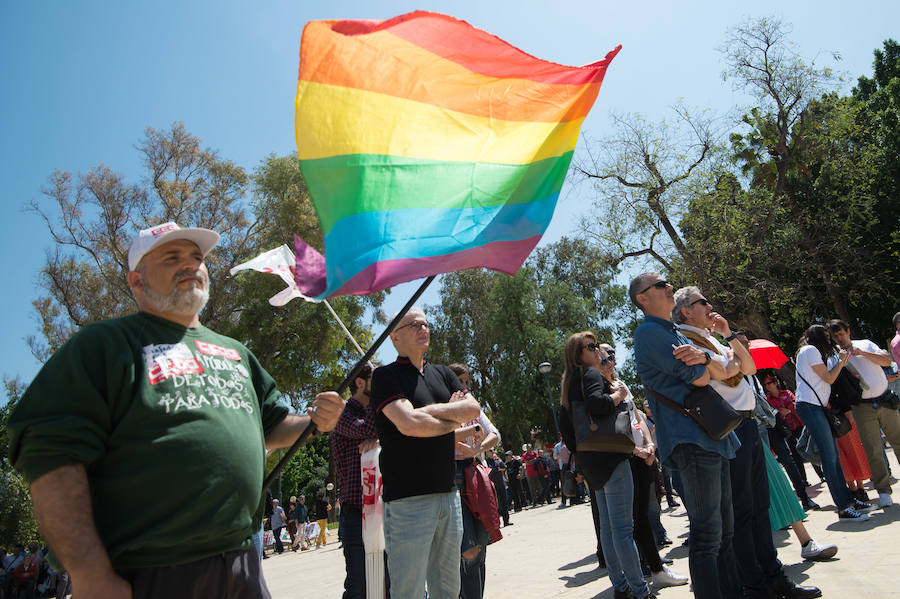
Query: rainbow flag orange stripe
point(429, 146)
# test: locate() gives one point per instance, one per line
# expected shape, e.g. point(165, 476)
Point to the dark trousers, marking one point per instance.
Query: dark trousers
point(230, 575)
point(279, 548)
point(753, 546)
point(515, 492)
point(355, 555)
point(641, 475)
point(791, 466)
point(596, 516)
point(502, 501)
point(545, 490)
point(705, 490)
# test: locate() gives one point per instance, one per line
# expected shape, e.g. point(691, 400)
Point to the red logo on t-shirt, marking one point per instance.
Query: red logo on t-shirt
point(211, 349)
point(164, 369)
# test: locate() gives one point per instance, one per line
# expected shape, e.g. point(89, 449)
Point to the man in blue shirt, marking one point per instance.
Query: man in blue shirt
point(670, 366)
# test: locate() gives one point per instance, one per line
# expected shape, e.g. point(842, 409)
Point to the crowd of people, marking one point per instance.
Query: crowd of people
point(29, 575)
point(116, 433)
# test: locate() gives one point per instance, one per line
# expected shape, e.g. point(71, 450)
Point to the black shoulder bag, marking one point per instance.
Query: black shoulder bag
point(707, 408)
point(840, 424)
point(610, 434)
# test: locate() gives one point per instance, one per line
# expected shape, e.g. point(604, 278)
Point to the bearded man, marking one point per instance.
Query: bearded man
point(143, 439)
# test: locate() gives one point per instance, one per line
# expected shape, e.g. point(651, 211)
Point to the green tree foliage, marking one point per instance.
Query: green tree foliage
point(814, 234)
point(17, 524)
point(502, 327)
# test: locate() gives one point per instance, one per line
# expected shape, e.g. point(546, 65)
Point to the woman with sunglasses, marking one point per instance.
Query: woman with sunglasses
point(608, 474)
point(815, 373)
point(642, 461)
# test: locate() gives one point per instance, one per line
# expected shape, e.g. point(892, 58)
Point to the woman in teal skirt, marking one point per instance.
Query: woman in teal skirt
point(785, 509)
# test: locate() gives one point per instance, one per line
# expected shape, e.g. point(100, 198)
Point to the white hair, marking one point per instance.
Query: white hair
point(413, 310)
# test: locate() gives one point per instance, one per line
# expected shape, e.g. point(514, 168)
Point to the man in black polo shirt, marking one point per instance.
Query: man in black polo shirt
point(416, 424)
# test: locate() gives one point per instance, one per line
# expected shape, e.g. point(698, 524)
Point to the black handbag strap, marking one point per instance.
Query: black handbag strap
point(810, 386)
point(668, 402)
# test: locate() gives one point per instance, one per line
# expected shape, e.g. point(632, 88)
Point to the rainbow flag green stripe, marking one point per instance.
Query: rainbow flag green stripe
point(359, 183)
point(429, 146)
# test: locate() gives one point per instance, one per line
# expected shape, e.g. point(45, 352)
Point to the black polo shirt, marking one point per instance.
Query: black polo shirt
point(413, 466)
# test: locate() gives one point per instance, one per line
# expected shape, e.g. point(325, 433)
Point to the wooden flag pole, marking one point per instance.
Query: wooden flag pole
point(311, 428)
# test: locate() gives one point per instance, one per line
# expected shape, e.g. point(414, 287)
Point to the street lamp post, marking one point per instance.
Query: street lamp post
point(545, 368)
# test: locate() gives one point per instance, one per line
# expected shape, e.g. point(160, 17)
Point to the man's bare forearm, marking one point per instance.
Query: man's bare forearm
point(423, 424)
point(65, 514)
point(457, 411)
point(286, 432)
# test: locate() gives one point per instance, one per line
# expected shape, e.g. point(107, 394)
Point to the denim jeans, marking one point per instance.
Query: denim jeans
point(422, 536)
point(614, 509)
point(753, 546)
point(815, 420)
point(705, 482)
point(258, 542)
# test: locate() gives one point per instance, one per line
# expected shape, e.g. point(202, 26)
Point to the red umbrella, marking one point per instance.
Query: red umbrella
point(766, 354)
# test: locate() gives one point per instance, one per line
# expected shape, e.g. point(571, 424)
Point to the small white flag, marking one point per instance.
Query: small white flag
point(279, 261)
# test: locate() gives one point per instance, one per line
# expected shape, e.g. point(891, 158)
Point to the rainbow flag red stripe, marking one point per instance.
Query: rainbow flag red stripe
point(429, 146)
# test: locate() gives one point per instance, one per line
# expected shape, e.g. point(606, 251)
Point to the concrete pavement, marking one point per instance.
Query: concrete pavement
point(549, 552)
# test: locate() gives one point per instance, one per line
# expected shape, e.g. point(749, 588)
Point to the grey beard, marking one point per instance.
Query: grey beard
point(186, 302)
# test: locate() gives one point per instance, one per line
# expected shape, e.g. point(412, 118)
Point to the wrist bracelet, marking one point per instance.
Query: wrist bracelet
point(732, 336)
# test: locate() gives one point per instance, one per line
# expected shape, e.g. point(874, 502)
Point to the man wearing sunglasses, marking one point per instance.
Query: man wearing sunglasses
point(416, 421)
point(669, 365)
point(761, 571)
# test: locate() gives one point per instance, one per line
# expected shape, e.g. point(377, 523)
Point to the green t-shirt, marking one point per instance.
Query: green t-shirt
point(169, 422)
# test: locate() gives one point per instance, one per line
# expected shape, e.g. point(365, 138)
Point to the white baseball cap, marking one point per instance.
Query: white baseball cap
point(150, 239)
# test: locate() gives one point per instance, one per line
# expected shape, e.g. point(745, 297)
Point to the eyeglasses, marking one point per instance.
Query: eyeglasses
point(591, 346)
point(658, 285)
point(607, 360)
point(702, 301)
point(415, 325)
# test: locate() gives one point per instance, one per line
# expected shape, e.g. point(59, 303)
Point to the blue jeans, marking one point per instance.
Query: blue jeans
point(706, 495)
point(258, 542)
point(815, 420)
point(422, 537)
point(614, 509)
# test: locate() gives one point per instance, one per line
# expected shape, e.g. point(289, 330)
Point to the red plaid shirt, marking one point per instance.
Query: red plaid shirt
point(355, 424)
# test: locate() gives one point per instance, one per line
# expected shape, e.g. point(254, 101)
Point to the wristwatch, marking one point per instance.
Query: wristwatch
point(708, 359)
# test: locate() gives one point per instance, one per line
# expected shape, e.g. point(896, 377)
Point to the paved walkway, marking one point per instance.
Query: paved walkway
point(549, 552)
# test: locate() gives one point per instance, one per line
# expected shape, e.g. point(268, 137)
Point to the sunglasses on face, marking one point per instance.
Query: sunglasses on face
point(658, 285)
point(702, 301)
point(607, 360)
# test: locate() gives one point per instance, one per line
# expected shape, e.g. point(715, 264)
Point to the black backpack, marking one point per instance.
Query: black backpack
point(845, 391)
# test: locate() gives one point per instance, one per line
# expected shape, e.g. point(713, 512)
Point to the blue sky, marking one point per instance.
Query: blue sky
point(82, 80)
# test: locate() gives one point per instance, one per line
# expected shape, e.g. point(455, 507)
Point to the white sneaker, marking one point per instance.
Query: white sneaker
point(884, 500)
point(815, 552)
point(667, 578)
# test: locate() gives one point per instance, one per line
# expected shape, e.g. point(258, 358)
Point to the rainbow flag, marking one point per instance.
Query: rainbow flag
point(429, 146)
